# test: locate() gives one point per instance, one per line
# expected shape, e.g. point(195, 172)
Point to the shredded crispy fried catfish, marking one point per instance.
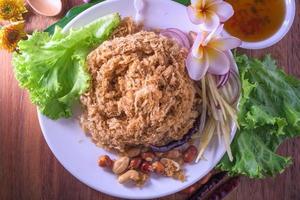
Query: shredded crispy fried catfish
point(140, 93)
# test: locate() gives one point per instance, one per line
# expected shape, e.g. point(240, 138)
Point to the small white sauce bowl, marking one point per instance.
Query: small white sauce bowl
point(290, 10)
point(48, 8)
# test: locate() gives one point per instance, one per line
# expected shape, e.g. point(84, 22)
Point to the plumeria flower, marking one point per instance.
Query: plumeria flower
point(209, 13)
point(210, 54)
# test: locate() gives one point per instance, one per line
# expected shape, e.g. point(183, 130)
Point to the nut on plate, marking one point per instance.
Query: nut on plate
point(173, 154)
point(135, 163)
point(105, 161)
point(133, 152)
point(120, 165)
point(148, 156)
point(130, 175)
point(170, 163)
point(158, 167)
point(189, 155)
point(146, 167)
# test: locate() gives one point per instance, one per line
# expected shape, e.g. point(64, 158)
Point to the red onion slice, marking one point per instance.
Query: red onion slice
point(183, 36)
point(231, 90)
point(172, 35)
point(222, 79)
point(179, 36)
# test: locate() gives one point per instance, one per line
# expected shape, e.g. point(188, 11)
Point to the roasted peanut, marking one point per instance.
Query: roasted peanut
point(146, 167)
point(130, 175)
point(133, 152)
point(120, 165)
point(158, 167)
point(105, 161)
point(135, 163)
point(170, 163)
point(190, 154)
point(173, 154)
point(148, 156)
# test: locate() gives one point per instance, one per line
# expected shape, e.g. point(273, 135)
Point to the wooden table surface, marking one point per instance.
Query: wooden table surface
point(29, 170)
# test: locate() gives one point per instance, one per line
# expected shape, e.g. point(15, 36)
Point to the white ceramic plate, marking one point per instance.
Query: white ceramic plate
point(79, 155)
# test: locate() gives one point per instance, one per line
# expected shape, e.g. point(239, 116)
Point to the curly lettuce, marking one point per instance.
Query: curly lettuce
point(269, 113)
point(53, 67)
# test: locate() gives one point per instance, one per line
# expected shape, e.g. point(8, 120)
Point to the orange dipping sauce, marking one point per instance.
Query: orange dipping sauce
point(255, 20)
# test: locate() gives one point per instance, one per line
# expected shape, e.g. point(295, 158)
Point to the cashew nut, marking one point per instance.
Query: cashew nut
point(120, 165)
point(130, 175)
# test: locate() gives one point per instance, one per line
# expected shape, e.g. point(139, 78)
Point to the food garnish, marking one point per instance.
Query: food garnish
point(138, 169)
point(53, 67)
point(269, 113)
point(209, 13)
point(179, 36)
point(209, 54)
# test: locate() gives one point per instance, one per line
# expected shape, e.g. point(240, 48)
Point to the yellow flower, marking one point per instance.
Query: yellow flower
point(12, 9)
point(11, 34)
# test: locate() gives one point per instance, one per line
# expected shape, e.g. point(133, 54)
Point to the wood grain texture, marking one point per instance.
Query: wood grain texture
point(29, 170)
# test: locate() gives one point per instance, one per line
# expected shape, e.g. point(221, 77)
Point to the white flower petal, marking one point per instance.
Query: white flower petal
point(223, 44)
point(218, 61)
point(224, 10)
point(211, 21)
point(197, 43)
point(213, 34)
point(196, 18)
point(196, 68)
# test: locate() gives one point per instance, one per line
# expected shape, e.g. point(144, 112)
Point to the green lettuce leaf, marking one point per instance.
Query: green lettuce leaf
point(269, 113)
point(53, 69)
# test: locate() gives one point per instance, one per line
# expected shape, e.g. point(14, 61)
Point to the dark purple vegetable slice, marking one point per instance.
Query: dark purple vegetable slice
point(178, 143)
point(179, 36)
point(232, 88)
point(183, 35)
point(222, 79)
